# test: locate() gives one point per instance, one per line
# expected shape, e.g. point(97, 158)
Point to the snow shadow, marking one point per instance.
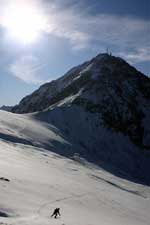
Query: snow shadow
point(118, 186)
point(14, 139)
point(4, 214)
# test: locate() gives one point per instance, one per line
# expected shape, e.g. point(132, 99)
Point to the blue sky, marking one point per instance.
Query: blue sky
point(75, 31)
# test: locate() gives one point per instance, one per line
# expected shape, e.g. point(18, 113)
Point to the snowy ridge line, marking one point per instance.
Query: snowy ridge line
point(119, 186)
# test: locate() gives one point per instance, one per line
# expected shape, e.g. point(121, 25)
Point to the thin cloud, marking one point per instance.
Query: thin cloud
point(84, 30)
point(27, 69)
point(139, 55)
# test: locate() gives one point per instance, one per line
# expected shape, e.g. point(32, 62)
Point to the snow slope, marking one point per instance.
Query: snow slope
point(41, 180)
point(68, 130)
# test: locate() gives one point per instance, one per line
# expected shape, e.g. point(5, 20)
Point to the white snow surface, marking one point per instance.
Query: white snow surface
point(41, 180)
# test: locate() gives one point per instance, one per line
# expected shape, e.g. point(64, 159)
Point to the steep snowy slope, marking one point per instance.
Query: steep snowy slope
point(57, 131)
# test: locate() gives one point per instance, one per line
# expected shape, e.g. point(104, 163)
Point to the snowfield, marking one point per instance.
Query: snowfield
point(40, 180)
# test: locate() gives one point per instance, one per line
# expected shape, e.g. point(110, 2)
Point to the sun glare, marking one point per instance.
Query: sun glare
point(23, 22)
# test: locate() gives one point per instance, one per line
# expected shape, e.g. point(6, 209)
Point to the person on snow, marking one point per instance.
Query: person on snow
point(56, 213)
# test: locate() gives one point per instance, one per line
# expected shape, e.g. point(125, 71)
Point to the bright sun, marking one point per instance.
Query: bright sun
point(23, 22)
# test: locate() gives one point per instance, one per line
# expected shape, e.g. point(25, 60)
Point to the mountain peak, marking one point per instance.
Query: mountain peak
point(104, 68)
point(102, 56)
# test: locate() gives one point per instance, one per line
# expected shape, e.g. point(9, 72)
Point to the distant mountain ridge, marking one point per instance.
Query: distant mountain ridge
point(6, 108)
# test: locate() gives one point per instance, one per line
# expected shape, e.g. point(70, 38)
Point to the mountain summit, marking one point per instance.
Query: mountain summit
point(101, 110)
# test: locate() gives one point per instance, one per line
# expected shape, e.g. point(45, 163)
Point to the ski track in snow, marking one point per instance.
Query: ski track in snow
point(59, 200)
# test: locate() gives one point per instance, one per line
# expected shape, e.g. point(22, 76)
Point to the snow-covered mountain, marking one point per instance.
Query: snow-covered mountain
point(102, 109)
point(106, 85)
point(84, 133)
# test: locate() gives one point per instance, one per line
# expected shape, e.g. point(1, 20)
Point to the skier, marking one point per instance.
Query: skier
point(56, 213)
